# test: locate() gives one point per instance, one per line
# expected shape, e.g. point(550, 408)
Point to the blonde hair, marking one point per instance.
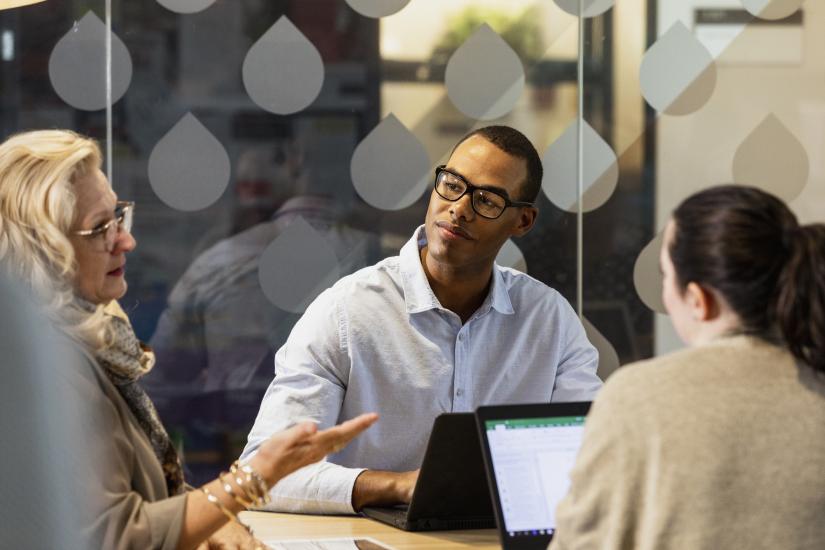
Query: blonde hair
point(37, 208)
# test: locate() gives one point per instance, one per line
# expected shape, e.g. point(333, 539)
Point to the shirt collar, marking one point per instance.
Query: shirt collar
point(418, 294)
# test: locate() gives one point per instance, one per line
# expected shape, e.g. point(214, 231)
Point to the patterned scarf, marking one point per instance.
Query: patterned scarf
point(124, 362)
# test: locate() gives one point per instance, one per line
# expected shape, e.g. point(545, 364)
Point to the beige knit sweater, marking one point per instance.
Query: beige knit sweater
point(714, 447)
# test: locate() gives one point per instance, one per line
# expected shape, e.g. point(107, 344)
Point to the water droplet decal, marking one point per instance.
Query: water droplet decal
point(377, 8)
point(390, 168)
point(77, 65)
point(589, 8)
point(601, 170)
point(283, 71)
point(773, 159)
point(647, 277)
point(608, 358)
point(297, 266)
point(510, 255)
point(189, 168)
point(186, 6)
point(772, 9)
point(484, 77)
point(677, 74)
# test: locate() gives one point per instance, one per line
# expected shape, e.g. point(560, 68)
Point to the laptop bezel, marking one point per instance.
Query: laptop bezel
point(512, 412)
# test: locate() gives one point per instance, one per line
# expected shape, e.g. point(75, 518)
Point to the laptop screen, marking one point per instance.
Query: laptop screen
point(532, 459)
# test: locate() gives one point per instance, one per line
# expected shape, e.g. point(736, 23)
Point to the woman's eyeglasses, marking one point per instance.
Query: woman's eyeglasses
point(122, 221)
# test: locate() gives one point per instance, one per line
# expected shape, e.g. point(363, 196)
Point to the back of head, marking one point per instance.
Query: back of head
point(747, 245)
point(514, 143)
point(37, 209)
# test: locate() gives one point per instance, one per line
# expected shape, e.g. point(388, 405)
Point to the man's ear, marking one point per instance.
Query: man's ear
point(526, 220)
point(703, 302)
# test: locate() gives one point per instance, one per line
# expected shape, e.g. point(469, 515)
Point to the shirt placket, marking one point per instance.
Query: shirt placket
point(462, 390)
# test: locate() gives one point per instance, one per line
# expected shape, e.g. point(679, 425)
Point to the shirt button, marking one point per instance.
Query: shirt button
point(461, 336)
point(459, 392)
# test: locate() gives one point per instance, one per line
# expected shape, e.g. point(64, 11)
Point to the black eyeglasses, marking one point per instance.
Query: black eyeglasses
point(485, 202)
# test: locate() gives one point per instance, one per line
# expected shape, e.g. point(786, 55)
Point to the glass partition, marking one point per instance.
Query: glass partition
point(273, 146)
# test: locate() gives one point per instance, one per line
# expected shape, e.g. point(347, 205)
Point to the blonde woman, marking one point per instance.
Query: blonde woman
point(64, 232)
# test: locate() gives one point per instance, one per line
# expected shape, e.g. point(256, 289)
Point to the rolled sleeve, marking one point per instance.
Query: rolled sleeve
point(322, 488)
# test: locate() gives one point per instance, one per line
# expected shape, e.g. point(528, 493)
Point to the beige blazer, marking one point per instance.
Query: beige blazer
point(125, 502)
point(716, 447)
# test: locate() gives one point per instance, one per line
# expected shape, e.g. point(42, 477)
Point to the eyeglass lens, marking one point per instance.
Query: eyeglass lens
point(485, 203)
point(124, 215)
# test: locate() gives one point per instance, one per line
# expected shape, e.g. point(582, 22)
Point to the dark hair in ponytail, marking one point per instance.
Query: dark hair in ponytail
point(747, 245)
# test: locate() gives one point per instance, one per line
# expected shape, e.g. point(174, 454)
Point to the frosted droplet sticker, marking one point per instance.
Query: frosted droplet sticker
point(77, 65)
point(647, 277)
point(600, 170)
point(608, 358)
point(772, 9)
point(390, 168)
point(377, 8)
point(186, 6)
point(773, 159)
point(283, 71)
point(677, 74)
point(589, 8)
point(510, 255)
point(485, 77)
point(189, 168)
point(297, 266)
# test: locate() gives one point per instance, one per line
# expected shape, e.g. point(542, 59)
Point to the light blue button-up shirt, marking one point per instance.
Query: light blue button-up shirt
point(379, 340)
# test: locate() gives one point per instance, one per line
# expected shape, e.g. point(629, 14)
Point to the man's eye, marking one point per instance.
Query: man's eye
point(453, 186)
point(484, 200)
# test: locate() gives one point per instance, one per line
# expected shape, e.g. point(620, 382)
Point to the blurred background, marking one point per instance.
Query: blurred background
point(273, 146)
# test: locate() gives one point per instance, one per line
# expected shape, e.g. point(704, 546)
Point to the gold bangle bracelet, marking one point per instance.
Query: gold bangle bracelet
point(217, 502)
point(247, 469)
point(227, 487)
point(253, 484)
point(245, 485)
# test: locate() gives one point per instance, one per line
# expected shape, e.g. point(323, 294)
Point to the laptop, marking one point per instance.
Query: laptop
point(529, 451)
point(451, 491)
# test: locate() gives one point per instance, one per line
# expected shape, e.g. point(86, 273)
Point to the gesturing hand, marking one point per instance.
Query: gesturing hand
point(303, 444)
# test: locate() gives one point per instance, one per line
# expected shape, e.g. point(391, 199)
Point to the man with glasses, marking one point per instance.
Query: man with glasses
point(439, 328)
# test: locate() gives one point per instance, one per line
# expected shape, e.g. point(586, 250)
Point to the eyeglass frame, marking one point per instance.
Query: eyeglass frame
point(470, 188)
point(126, 208)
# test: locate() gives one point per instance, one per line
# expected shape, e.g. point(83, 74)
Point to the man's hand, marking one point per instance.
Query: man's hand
point(231, 537)
point(374, 488)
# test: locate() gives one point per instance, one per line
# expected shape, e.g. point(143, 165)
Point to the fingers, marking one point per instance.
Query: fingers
point(298, 433)
point(334, 439)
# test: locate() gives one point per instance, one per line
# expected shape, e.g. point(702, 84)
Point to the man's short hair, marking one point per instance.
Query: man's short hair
point(514, 143)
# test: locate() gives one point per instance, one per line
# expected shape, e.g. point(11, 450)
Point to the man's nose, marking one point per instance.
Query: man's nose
point(463, 208)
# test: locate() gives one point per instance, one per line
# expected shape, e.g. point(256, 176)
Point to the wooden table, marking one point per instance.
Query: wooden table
point(272, 526)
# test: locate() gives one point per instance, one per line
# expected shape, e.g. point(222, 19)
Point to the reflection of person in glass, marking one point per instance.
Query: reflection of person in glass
point(439, 328)
point(219, 328)
point(721, 445)
point(65, 234)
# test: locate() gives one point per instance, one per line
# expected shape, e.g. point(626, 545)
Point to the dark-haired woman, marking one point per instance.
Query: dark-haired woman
point(721, 445)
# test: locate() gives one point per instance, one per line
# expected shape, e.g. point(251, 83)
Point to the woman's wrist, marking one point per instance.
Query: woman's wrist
point(264, 467)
